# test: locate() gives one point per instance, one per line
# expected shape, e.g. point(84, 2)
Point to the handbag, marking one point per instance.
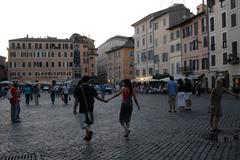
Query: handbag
point(89, 115)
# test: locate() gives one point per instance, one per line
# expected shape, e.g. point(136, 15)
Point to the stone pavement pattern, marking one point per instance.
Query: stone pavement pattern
point(50, 132)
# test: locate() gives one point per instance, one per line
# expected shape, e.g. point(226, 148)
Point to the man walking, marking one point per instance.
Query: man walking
point(86, 97)
point(14, 101)
point(172, 92)
point(27, 92)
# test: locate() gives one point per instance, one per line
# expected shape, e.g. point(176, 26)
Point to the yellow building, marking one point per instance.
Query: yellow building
point(120, 62)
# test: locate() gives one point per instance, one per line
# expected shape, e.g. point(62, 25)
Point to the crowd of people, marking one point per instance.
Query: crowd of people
point(179, 93)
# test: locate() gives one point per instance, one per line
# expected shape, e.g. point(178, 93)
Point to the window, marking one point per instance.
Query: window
point(144, 72)
point(143, 57)
point(18, 45)
point(29, 64)
point(172, 48)
point(137, 43)
point(224, 20)
point(233, 20)
point(150, 39)
point(178, 68)
point(172, 36)
point(204, 63)
point(164, 22)
point(177, 34)
point(138, 58)
point(143, 42)
point(225, 58)
point(150, 24)
point(165, 57)
point(212, 43)
point(13, 45)
point(205, 42)
point(137, 30)
point(185, 48)
point(233, 4)
point(150, 71)
point(204, 25)
point(40, 45)
point(172, 68)
point(23, 46)
point(59, 64)
point(52, 54)
point(212, 24)
point(137, 73)
point(224, 40)
point(46, 64)
point(130, 53)
point(36, 46)
point(143, 28)
point(195, 28)
point(156, 26)
point(23, 64)
point(65, 54)
point(178, 47)
point(234, 48)
point(213, 60)
point(59, 54)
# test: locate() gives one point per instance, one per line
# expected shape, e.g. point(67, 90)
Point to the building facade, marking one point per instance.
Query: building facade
point(47, 59)
point(195, 44)
point(102, 60)
point(120, 62)
point(175, 54)
point(152, 40)
point(224, 32)
point(3, 68)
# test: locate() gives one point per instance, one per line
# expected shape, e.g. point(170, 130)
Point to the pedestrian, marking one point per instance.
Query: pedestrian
point(180, 96)
point(216, 106)
point(199, 89)
point(14, 98)
point(87, 93)
point(52, 91)
point(76, 97)
point(103, 91)
point(127, 106)
point(172, 93)
point(188, 94)
point(36, 93)
point(65, 93)
point(27, 91)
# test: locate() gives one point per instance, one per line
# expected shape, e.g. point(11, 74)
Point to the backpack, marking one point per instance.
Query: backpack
point(9, 94)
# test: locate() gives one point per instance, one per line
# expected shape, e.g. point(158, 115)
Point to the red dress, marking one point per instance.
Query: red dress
point(126, 107)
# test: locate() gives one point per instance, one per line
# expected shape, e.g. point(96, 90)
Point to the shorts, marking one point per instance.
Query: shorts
point(172, 100)
point(83, 120)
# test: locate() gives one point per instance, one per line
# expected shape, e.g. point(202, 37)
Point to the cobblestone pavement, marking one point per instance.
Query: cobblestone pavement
point(50, 132)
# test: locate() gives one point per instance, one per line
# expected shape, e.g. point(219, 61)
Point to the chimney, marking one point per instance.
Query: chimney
point(201, 8)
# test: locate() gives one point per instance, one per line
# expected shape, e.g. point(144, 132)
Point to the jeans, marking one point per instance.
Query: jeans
point(36, 99)
point(65, 98)
point(15, 111)
point(27, 98)
point(53, 97)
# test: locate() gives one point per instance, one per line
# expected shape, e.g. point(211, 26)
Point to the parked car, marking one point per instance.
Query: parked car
point(108, 88)
point(45, 87)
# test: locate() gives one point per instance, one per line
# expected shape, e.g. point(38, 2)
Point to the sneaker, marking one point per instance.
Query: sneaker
point(127, 133)
point(86, 138)
point(90, 133)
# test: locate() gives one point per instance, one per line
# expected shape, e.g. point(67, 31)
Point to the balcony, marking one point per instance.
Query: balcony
point(186, 70)
point(233, 59)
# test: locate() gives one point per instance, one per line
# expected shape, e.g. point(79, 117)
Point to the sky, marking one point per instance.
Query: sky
point(97, 19)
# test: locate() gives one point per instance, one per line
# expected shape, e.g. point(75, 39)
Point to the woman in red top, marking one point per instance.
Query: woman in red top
point(126, 108)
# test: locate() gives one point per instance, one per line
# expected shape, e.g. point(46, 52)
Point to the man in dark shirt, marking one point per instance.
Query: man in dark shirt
point(86, 97)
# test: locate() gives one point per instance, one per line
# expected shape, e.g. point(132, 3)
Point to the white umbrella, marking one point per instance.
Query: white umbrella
point(6, 82)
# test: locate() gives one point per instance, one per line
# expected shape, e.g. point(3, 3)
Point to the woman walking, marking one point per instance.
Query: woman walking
point(216, 106)
point(127, 106)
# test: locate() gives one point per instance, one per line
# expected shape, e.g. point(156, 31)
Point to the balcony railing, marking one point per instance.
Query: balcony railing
point(186, 70)
point(233, 59)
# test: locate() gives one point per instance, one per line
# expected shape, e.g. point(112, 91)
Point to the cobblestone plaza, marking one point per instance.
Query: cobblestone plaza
point(50, 132)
